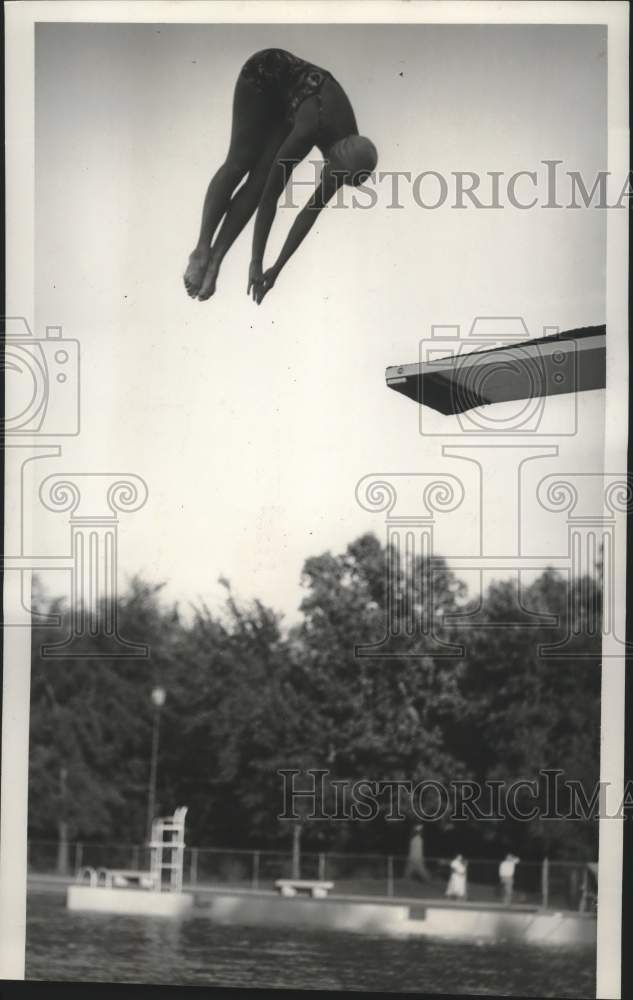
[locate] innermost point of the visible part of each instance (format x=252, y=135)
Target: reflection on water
x=97, y=947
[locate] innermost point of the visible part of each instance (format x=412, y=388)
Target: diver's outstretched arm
x=292, y=151
x=325, y=190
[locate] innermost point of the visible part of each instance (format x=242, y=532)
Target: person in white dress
x=456, y=888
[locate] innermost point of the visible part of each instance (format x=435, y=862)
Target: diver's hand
x=267, y=282
x=254, y=275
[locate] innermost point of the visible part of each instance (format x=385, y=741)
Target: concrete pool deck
x=398, y=916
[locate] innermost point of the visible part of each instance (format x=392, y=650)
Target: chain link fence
x=570, y=885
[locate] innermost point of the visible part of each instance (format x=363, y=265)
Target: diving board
x=573, y=361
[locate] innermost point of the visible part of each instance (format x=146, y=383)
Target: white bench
x=291, y=887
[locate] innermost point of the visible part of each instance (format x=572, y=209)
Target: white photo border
x=20, y=20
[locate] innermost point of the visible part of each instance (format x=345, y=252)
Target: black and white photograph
x=316, y=496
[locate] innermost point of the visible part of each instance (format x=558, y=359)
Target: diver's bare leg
x=249, y=133
x=243, y=205
x=216, y=202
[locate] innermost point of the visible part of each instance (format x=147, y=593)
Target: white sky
x=253, y=426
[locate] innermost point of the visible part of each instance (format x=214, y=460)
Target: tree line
x=248, y=697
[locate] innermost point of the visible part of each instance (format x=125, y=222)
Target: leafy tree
x=91, y=726
x=248, y=698
x=529, y=711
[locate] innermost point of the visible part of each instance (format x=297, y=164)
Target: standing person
x=506, y=876
x=283, y=106
x=456, y=888
x=415, y=867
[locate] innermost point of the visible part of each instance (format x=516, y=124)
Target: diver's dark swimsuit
x=285, y=78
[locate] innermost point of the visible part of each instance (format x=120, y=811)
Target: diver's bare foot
x=196, y=269
x=210, y=278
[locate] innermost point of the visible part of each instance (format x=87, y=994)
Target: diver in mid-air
x=282, y=108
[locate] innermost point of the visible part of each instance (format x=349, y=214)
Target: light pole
x=158, y=700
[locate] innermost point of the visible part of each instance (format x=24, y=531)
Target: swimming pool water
x=95, y=947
